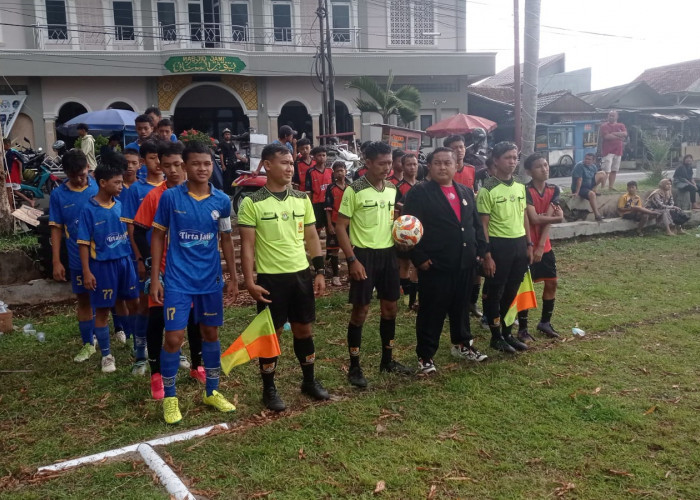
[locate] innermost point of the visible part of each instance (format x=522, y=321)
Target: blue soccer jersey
x=104, y=230
x=65, y=205
x=193, y=224
x=134, y=197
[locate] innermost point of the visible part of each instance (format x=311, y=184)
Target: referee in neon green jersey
x=368, y=209
x=501, y=204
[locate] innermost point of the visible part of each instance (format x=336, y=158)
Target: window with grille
x=166, y=19
x=340, y=15
x=194, y=12
x=56, y=19
x=409, y=20
x=123, y=20
x=425, y=122
x=282, y=20
x=239, y=21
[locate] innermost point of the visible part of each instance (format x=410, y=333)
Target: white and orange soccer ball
x=407, y=231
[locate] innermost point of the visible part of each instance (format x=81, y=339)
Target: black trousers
x=692, y=190
x=442, y=294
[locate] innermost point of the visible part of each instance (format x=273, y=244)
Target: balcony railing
x=188, y=36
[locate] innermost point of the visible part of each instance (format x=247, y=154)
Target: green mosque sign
x=204, y=64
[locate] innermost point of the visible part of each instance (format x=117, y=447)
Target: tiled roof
x=606, y=98
x=680, y=77
x=507, y=76
x=502, y=94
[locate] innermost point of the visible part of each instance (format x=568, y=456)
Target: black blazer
x=447, y=242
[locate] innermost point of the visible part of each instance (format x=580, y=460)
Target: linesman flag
x=258, y=340
x=525, y=299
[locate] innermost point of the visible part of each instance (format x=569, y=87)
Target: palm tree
x=404, y=101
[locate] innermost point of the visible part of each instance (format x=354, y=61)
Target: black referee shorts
x=382, y=268
x=510, y=256
x=546, y=269
x=292, y=296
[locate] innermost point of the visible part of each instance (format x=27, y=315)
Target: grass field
x=612, y=415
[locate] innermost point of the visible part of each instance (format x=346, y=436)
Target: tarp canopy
x=103, y=122
x=460, y=124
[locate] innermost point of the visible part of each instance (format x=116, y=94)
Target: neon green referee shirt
x=279, y=229
x=371, y=213
x=504, y=203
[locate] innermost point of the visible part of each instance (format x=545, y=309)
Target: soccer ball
x=407, y=230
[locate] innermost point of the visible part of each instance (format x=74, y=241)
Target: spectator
x=613, y=135
x=87, y=146
x=683, y=180
x=110, y=147
x=229, y=156
x=630, y=207
x=584, y=179
x=660, y=202
x=286, y=138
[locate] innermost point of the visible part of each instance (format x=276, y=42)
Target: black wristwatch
x=351, y=259
x=530, y=244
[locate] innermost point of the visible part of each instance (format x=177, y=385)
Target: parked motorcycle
x=245, y=185
x=37, y=180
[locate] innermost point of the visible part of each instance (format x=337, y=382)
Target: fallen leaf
x=597, y=390
x=668, y=473
x=650, y=410
x=431, y=493
x=381, y=486
x=380, y=428
x=261, y=494
x=484, y=454
x=564, y=489
x=620, y=473
x=302, y=455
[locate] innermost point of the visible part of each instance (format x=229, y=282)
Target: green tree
x=404, y=101
x=657, y=154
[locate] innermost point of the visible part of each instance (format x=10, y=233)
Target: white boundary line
x=165, y=474
x=98, y=457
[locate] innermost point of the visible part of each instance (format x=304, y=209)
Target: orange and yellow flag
x=258, y=340
x=526, y=299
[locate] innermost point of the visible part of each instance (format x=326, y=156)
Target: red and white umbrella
x=460, y=124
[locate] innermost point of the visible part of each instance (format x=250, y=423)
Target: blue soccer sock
x=211, y=357
x=86, y=328
x=140, y=325
x=169, y=363
x=102, y=334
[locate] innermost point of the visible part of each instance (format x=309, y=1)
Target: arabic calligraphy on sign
x=204, y=64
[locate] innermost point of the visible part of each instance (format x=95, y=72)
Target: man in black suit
x=453, y=238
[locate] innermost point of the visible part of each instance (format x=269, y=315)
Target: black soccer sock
x=522, y=319
x=267, y=371
x=194, y=338
x=154, y=337
x=354, y=344
x=547, y=310
x=335, y=267
x=305, y=352
x=413, y=293
x=405, y=285
x=507, y=331
x=387, y=331
x=476, y=287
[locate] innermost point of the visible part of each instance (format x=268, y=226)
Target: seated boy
x=584, y=179
x=630, y=207
x=104, y=252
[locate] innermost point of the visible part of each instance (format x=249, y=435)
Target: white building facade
x=212, y=64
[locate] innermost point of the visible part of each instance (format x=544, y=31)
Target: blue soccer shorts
x=208, y=309
x=116, y=279
x=76, y=281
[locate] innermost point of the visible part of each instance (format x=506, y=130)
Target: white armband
x=225, y=224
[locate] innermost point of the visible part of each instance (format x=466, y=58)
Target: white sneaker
x=426, y=367
x=467, y=352
x=85, y=352
x=120, y=336
x=139, y=368
x=184, y=362
x=108, y=365
x=336, y=281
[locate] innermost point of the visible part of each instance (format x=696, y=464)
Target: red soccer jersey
x=541, y=202
x=301, y=170
x=334, y=196
x=147, y=212
x=317, y=182
x=466, y=176
x=394, y=180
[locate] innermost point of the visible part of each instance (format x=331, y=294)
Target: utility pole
x=530, y=74
x=322, y=58
x=516, y=74
x=331, y=75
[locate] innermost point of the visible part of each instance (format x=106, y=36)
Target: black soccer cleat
x=394, y=366
x=515, y=343
x=524, y=336
x=356, y=377
x=271, y=399
x=315, y=390
x=548, y=330
x=499, y=344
